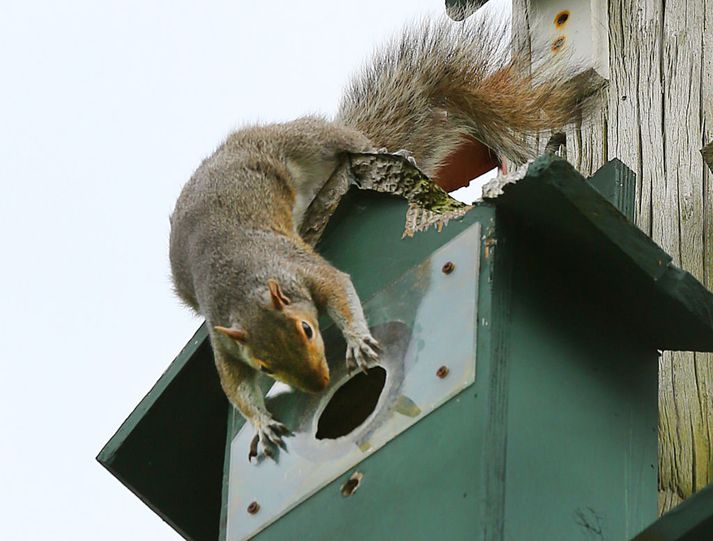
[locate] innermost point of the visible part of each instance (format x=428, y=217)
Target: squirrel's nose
x=319, y=383
x=322, y=382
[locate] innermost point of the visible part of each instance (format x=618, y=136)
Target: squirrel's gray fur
x=235, y=254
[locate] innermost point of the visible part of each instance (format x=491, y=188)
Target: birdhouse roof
x=692, y=520
x=170, y=449
x=579, y=221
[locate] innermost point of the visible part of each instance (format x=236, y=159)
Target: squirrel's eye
x=307, y=328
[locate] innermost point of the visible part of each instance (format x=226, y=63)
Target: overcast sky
x=106, y=108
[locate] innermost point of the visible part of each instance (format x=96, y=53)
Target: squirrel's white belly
x=308, y=179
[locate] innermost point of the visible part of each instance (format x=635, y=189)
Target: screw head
x=448, y=267
x=442, y=372
x=558, y=44
x=253, y=508
x=352, y=484
x=561, y=18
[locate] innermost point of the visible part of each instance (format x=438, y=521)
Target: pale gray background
x=106, y=107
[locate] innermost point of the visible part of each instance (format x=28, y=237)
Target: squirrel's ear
x=279, y=300
x=235, y=332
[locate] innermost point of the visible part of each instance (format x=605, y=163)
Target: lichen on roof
x=429, y=205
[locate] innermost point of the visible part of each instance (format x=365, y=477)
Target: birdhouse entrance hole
x=351, y=404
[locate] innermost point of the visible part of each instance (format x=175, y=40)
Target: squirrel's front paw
x=406, y=154
x=361, y=351
x=267, y=439
x=403, y=153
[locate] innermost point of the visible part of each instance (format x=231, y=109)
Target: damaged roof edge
x=676, y=308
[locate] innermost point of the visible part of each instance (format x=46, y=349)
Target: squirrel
x=236, y=257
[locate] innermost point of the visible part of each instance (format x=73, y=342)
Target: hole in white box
x=351, y=404
x=561, y=18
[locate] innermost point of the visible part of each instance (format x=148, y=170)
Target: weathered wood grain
x=657, y=114
x=677, y=224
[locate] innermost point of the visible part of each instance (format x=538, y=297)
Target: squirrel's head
x=284, y=342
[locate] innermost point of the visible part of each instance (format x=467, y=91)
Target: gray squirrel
x=236, y=257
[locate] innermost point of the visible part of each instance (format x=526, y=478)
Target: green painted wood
x=426, y=484
x=373, y=264
x=418, y=488
x=692, y=520
x=149, y=401
x=497, y=359
x=557, y=416
x=169, y=451
x=572, y=207
x=573, y=303
x=582, y=405
x=644, y=291
x=380, y=255
x=617, y=183
x=231, y=428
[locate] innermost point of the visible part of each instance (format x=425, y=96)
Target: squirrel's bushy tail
x=441, y=81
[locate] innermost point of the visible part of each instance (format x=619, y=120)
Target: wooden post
x=657, y=114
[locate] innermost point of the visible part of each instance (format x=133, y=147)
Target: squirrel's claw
x=403, y=153
x=406, y=154
x=357, y=361
x=268, y=440
x=274, y=435
x=253, y=448
x=261, y=448
x=361, y=352
x=374, y=344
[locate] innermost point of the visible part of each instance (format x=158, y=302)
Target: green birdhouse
x=515, y=396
